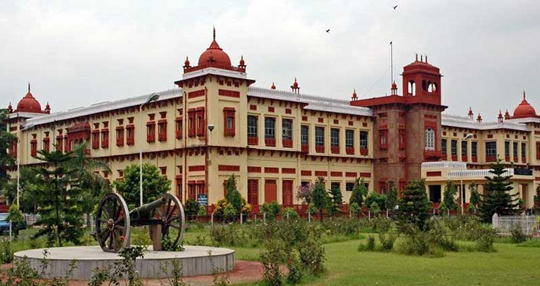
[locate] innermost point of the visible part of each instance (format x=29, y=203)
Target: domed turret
x=524, y=109
x=214, y=56
x=28, y=103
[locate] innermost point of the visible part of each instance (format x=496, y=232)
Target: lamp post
x=19, y=160
x=467, y=138
x=152, y=97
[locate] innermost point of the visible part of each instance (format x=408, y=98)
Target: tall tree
x=476, y=199
x=60, y=204
x=154, y=184
x=6, y=139
x=391, y=197
x=497, y=198
x=30, y=184
x=87, y=178
x=414, y=205
x=449, y=194
x=335, y=200
x=320, y=197
x=359, y=192
x=233, y=196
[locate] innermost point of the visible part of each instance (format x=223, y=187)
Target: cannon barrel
x=145, y=211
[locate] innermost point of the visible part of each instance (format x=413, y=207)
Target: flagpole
x=391, y=64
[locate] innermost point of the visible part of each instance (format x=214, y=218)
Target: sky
x=76, y=53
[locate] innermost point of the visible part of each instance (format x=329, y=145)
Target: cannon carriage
x=164, y=216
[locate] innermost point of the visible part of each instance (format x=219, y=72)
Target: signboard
x=202, y=199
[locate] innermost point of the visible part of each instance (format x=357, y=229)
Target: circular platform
x=195, y=260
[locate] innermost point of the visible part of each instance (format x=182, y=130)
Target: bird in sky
x=395, y=7
x=328, y=31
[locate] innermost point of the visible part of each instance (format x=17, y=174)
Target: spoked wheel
x=171, y=215
x=112, y=223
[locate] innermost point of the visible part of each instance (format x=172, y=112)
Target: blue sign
x=202, y=199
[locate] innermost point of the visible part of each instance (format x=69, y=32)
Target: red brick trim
x=305, y=173
x=271, y=170
x=229, y=93
x=252, y=169
x=230, y=168
x=434, y=174
x=196, y=93
x=321, y=173
x=365, y=175
x=288, y=170
x=197, y=168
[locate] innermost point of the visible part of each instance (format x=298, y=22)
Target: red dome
x=524, y=109
x=215, y=56
x=28, y=103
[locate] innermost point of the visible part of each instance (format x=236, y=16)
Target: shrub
x=341, y=226
x=230, y=235
x=229, y=213
x=296, y=273
x=439, y=237
x=289, y=214
x=415, y=241
x=272, y=257
x=517, y=234
x=6, y=252
x=374, y=208
x=387, y=237
x=378, y=199
x=271, y=210
x=192, y=208
x=312, y=256
x=485, y=239
x=369, y=246
x=355, y=209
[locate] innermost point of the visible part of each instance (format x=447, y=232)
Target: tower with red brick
x=407, y=127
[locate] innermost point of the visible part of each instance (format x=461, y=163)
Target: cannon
x=164, y=216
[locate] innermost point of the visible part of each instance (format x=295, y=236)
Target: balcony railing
x=444, y=164
x=523, y=172
x=456, y=174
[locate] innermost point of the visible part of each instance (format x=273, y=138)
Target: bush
x=296, y=273
x=272, y=257
x=439, y=237
x=370, y=246
x=192, y=209
x=271, y=210
x=312, y=256
x=230, y=235
x=485, y=239
x=355, y=209
x=378, y=199
x=6, y=251
x=341, y=226
x=517, y=234
x=387, y=240
x=289, y=214
x=415, y=241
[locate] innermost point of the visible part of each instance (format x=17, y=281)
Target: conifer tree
x=359, y=192
x=335, y=200
x=450, y=191
x=476, y=199
x=391, y=197
x=414, y=205
x=320, y=197
x=497, y=198
x=233, y=196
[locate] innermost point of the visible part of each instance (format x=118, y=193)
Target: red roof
x=524, y=109
x=28, y=103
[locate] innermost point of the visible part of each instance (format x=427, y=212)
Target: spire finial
x=523, y=94
x=214, y=33
x=28, y=86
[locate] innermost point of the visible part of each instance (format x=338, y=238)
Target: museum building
x=217, y=123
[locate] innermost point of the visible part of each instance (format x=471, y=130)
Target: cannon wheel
x=112, y=223
x=172, y=219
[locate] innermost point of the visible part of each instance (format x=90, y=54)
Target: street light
x=151, y=97
x=468, y=137
x=19, y=160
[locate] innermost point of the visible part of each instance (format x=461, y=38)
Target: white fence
x=504, y=224
x=476, y=173
x=444, y=164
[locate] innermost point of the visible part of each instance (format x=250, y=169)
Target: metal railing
x=475, y=173
x=444, y=164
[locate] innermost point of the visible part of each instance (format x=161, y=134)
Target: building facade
x=217, y=124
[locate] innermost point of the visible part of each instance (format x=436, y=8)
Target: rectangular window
x=383, y=139
x=191, y=123
x=335, y=185
x=270, y=131
x=179, y=127
x=349, y=141
x=334, y=140
x=229, y=121
x=130, y=140
x=319, y=139
x=162, y=130
x=287, y=130
x=515, y=151
x=33, y=146
x=95, y=139
x=443, y=144
x=453, y=147
x=524, y=152
x=60, y=142
x=507, y=149
x=349, y=187
x=253, y=130
x=150, y=132
x=104, y=138
x=474, y=149
x=46, y=144
x=304, y=138
x=402, y=139
x=364, y=142
x=537, y=150
x=464, y=150
x=120, y=136
x=201, y=128
x=491, y=151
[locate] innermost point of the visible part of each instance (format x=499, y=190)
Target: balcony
x=432, y=155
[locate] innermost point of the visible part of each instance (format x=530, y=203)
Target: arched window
x=430, y=139
x=412, y=88
x=424, y=85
